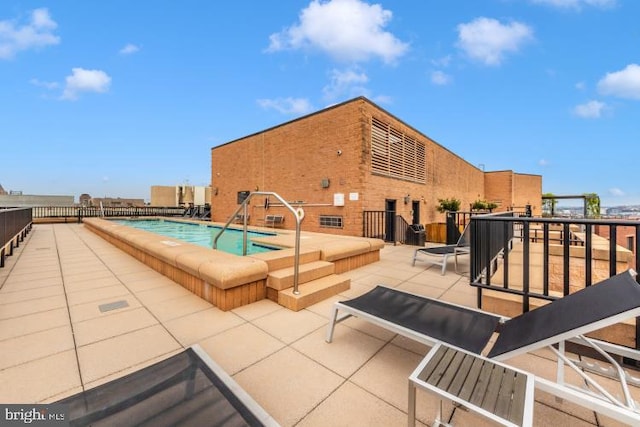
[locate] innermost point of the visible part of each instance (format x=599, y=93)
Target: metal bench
x=498, y=392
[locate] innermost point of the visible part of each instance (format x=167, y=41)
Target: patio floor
x=55, y=340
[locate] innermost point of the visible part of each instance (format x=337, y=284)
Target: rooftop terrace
x=55, y=340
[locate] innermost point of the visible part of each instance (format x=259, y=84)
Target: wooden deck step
x=313, y=292
x=283, y=278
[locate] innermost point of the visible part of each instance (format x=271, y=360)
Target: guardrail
x=80, y=212
x=385, y=225
x=14, y=226
x=567, y=254
x=554, y=257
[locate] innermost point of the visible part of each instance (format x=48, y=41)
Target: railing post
x=565, y=254
x=613, y=240
x=588, y=244
x=526, y=254
x=244, y=229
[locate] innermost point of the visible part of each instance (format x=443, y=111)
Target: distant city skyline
x=111, y=98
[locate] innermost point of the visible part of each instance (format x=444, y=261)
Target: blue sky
x=112, y=97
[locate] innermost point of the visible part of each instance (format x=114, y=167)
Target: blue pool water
x=201, y=234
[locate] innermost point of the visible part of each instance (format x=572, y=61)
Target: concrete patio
x=55, y=341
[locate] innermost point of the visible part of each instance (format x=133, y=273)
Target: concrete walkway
x=76, y=312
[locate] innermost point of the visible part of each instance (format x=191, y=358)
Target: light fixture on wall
x=407, y=199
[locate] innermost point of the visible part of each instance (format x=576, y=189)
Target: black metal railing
x=458, y=221
x=562, y=255
x=374, y=224
x=385, y=225
x=402, y=230
x=14, y=225
x=80, y=212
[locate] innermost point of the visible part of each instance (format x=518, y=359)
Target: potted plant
x=479, y=205
x=437, y=231
x=448, y=205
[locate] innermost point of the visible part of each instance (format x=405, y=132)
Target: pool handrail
x=243, y=207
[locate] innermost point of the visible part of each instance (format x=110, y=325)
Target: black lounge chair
x=187, y=389
x=439, y=255
x=567, y=319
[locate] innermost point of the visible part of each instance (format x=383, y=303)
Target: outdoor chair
x=186, y=389
x=431, y=322
x=439, y=255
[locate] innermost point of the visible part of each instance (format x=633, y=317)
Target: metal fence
x=14, y=225
x=385, y=225
x=80, y=212
x=572, y=253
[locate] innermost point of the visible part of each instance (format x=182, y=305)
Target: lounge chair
x=185, y=389
x=439, y=255
x=566, y=319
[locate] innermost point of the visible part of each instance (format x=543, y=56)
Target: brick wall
x=528, y=191
x=294, y=158
x=508, y=189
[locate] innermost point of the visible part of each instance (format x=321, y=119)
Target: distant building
x=84, y=200
x=16, y=199
x=115, y=202
x=180, y=195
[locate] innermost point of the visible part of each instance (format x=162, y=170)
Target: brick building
x=350, y=158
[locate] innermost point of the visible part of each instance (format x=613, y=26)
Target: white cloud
x=543, y=162
x=440, y=78
x=487, y=40
x=623, y=84
x=46, y=85
x=292, y=106
x=590, y=110
x=82, y=80
x=442, y=62
x=128, y=49
x=350, y=82
x=581, y=86
x=346, y=30
x=38, y=32
x=576, y=4
x=616, y=192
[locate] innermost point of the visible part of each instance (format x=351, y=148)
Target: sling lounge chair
x=186, y=389
x=439, y=255
x=431, y=322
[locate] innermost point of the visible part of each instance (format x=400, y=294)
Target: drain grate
x=113, y=305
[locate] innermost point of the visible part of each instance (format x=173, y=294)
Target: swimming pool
x=201, y=234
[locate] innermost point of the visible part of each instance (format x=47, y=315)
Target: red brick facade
x=334, y=146
x=513, y=191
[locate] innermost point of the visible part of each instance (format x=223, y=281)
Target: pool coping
x=229, y=281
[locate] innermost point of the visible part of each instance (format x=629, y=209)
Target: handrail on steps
x=243, y=207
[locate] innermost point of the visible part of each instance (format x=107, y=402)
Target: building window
x=631, y=243
x=395, y=154
x=330, y=221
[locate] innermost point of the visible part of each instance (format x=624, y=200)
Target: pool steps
x=316, y=280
